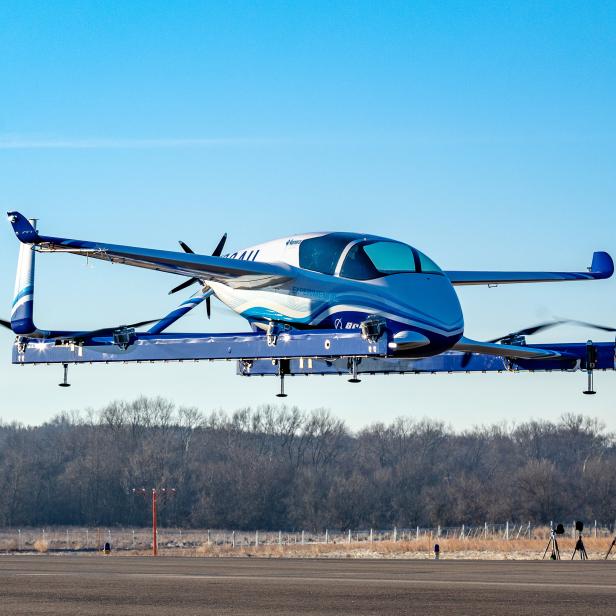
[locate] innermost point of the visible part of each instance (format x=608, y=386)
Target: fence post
x=438, y=530
x=417, y=534
x=209, y=541
x=233, y=539
x=395, y=534
x=279, y=537
x=462, y=532
x=326, y=536
x=595, y=529
x=19, y=539
x=349, y=535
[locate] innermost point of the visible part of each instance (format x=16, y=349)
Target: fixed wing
x=374, y=287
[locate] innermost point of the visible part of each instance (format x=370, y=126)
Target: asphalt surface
x=86, y=585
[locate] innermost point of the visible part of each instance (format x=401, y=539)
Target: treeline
x=282, y=468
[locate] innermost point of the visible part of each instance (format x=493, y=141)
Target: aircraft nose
x=430, y=299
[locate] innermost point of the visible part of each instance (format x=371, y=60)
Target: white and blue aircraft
x=323, y=281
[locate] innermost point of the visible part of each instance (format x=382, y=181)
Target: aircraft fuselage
x=418, y=301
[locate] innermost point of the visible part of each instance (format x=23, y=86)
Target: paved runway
x=87, y=585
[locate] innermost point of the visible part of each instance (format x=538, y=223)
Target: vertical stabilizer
x=23, y=300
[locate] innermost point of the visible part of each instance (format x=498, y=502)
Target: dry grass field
x=203, y=543
x=485, y=549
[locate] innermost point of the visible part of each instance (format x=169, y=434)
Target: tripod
x=579, y=547
x=610, y=550
x=553, y=544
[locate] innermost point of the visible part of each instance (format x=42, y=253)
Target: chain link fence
x=72, y=539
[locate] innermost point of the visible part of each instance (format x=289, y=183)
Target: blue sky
x=482, y=133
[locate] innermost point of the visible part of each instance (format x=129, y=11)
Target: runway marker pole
x=155, y=493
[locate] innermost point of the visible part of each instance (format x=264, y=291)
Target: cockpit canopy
x=359, y=258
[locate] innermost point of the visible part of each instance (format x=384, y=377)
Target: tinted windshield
x=321, y=254
x=372, y=259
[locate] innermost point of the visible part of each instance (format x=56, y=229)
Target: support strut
x=65, y=382
x=591, y=362
x=283, y=368
x=354, y=378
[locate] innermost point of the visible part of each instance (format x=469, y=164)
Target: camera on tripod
x=579, y=544
x=553, y=542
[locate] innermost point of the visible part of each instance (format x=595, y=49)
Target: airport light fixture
x=155, y=492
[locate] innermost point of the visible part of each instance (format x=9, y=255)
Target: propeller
x=107, y=331
x=529, y=331
x=84, y=335
x=187, y=283
x=535, y=329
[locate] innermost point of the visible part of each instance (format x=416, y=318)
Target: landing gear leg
x=354, y=378
x=281, y=394
x=283, y=366
x=65, y=382
x=591, y=362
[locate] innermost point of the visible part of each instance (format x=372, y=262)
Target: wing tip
x=602, y=265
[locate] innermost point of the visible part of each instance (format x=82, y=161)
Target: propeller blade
x=535, y=329
x=6, y=324
x=186, y=248
x=603, y=328
x=529, y=331
x=217, y=252
x=184, y=285
x=140, y=323
x=104, y=331
x=221, y=244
